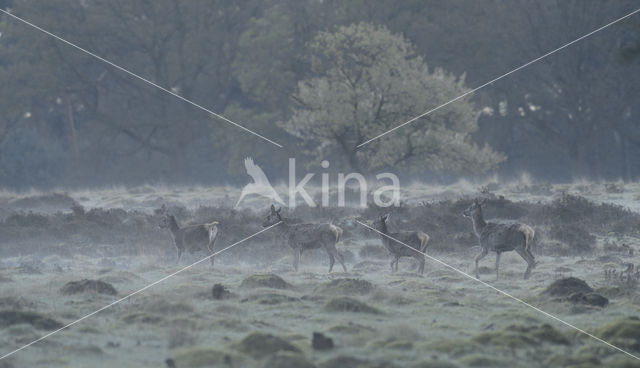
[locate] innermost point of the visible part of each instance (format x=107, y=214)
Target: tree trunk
x=351, y=153
x=71, y=131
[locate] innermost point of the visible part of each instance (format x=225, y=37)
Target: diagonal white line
x=136, y=292
x=140, y=78
x=503, y=292
x=498, y=78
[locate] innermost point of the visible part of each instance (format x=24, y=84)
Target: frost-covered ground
x=431, y=319
x=374, y=317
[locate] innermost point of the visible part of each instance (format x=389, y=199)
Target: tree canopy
x=368, y=81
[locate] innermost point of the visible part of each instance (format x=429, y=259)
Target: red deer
x=191, y=238
x=417, y=240
x=307, y=236
x=501, y=238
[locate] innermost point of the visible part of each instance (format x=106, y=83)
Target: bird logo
x=260, y=185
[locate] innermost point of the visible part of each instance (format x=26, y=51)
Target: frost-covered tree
x=367, y=80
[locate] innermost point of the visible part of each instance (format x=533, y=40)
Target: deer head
x=273, y=217
x=167, y=221
x=476, y=207
x=380, y=224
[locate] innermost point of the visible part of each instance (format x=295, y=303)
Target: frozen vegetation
x=67, y=254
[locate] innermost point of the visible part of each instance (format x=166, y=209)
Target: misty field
x=67, y=254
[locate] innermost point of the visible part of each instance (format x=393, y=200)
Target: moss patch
x=591, y=299
x=86, y=285
x=346, y=287
x=434, y=364
x=16, y=303
x=287, y=359
x=610, y=291
x=206, y=357
x=521, y=337
x=12, y=317
x=269, y=299
x=141, y=317
x=400, y=345
x=269, y=280
x=584, y=361
x=351, y=328
x=624, y=333
x=567, y=286
x=164, y=307
x=477, y=360
x=183, y=323
x=454, y=347
x=623, y=363
x=259, y=345
x=342, y=362
x=346, y=304
x=352, y=362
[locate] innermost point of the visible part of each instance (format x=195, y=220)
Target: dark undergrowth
x=570, y=220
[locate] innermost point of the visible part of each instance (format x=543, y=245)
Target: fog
x=154, y=136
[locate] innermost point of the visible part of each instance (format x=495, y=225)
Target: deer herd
x=493, y=237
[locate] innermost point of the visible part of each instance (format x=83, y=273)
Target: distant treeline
x=317, y=77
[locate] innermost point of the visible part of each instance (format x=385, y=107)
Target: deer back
x=413, y=239
x=502, y=237
x=311, y=236
x=195, y=237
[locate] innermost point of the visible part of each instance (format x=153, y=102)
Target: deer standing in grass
x=417, y=240
x=307, y=236
x=501, y=238
x=192, y=237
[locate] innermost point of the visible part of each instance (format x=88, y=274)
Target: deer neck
x=173, y=225
x=384, y=230
x=284, y=227
x=478, y=222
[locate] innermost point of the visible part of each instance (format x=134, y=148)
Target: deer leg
x=394, y=263
x=497, y=263
x=210, y=247
x=296, y=258
x=420, y=257
x=330, y=252
x=341, y=260
x=333, y=252
x=528, y=244
x=478, y=258
x=530, y=261
x=179, y=254
x=332, y=260
x=422, y=261
x=528, y=250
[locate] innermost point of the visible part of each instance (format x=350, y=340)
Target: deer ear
x=385, y=217
x=273, y=208
x=279, y=209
